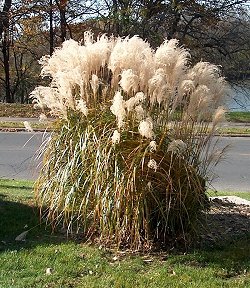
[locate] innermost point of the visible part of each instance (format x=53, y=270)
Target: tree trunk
x=6, y=57
x=4, y=35
x=176, y=19
x=62, y=4
x=51, y=32
x=4, y=17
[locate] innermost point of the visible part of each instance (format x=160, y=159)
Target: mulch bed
x=225, y=221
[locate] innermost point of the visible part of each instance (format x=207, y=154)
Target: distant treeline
x=214, y=31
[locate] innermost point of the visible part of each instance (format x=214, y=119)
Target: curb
x=232, y=135
x=18, y=129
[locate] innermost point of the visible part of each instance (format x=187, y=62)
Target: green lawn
x=234, y=130
x=231, y=193
x=238, y=117
x=72, y=264
x=19, y=125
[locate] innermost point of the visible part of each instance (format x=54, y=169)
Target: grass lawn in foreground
x=72, y=264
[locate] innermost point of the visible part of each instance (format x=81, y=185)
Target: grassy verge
x=243, y=195
x=49, y=260
x=234, y=131
x=19, y=125
x=239, y=117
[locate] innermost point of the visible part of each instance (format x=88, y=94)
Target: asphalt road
x=18, y=160
x=234, y=171
x=18, y=154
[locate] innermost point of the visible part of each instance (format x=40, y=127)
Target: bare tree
x=215, y=31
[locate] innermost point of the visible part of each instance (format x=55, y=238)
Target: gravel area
x=231, y=199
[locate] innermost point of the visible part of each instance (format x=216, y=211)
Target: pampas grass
x=128, y=163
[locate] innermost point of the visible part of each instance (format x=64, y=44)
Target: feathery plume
x=118, y=108
x=116, y=137
x=27, y=126
x=146, y=128
x=42, y=117
x=152, y=164
x=140, y=112
x=152, y=146
x=129, y=81
x=94, y=83
x=219, y=115
x=134, y=101
x=82, y=107
x=176, y=146
x=131, y=53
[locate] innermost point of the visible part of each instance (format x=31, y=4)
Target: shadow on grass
x=15, y=218
x=229, y=259
x=225, y=242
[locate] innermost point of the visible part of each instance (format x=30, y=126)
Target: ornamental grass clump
x=129, y=160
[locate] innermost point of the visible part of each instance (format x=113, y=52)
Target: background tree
x=5, y=47
x=215, y=31
x=26, y=44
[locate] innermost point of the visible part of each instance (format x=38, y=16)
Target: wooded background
x=217, y=31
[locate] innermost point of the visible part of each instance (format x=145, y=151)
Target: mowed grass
x=72, y=264
x=238, y=117
x=5, y=125
x=244, y=195
x=234, y=131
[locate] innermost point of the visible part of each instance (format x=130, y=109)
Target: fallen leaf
x=48, y=271
x=82, y=255
x=147, y=260
x=22, y=236
x=172, y=272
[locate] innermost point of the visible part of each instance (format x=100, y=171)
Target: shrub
x=128, y=163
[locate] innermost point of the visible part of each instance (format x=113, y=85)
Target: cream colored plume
x=86, y=76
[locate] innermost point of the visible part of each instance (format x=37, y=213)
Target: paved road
x=234, y=170
x=17, y=160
